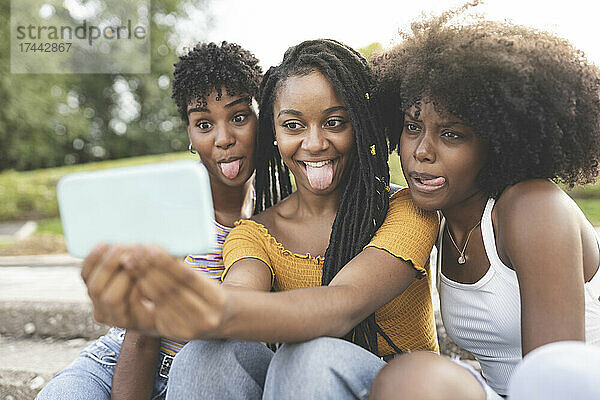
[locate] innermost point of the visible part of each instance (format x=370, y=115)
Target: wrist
x=228, y=310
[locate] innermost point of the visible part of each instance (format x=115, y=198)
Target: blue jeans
x=90, y=376
x=323, y=368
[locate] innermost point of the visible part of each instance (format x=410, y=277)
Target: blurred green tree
x=55, y=119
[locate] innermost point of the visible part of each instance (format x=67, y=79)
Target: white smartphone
x=169, y=204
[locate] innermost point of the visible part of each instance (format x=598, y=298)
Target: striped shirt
x=212, y=265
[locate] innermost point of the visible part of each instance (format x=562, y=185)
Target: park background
x=54, y=124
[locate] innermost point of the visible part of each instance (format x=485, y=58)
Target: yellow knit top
x=407, y=233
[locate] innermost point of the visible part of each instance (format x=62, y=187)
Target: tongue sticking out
x=230, y=169
x=320, y=178
x=434, y=182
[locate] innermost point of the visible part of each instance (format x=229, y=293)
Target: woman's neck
x=462, y=217
x=309, y=204
x=231, y=203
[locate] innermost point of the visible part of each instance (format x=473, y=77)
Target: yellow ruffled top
x=407, y=233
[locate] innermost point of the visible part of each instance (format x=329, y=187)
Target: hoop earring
x=192, y=150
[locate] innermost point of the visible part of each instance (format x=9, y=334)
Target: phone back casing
x=169, y=204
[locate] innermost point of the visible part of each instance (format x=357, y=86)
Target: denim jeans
x=90, y=376
x=323, y=368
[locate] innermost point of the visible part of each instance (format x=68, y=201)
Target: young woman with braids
x=486, y=116
x=213, y=88
x=337, y=258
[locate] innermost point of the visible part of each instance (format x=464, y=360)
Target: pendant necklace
x=462, y=259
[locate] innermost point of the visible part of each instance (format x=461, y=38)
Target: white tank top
x=485, y=317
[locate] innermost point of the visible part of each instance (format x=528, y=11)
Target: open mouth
x=230, y=167
x=319, y=173
x=427, y=183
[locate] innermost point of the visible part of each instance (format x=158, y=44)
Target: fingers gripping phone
x=169, y=204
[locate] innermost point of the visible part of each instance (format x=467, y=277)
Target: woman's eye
x=410, y=127
x=334, y=123
x=292, y=125
x=238, y=119
x=450, y=135
x=203, y=125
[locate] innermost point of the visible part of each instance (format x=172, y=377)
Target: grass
x=50, y=225
x=32, y=194
x=584, y=192
x=396, y=175
x=591, y=209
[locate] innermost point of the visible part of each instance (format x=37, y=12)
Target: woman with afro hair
x=487, y=117
x=213, y=89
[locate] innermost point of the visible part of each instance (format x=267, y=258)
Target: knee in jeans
x=313, y=355
x=201, y=352
x=309, y=353
x=193, y=353
x=192, y=349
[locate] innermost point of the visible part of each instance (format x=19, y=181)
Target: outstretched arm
x=243, y=307
x=372, y=279
x=201, y=308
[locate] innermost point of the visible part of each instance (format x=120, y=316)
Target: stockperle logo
x=76, y=36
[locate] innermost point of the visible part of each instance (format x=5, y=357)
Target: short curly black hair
x=209, y=66
x=532, y=97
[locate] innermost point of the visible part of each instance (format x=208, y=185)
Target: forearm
x=190, y=306
x=136, y=367
x=303, y=314
x=290, y=316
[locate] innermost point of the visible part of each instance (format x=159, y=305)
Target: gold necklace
x=461, y=259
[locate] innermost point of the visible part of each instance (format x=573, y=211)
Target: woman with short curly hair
x=213, y=88
x=487, y=116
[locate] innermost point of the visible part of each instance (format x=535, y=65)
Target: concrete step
x=45, y=301
x=45, y=321
x=59, y=320
x=27, y=364
x=44, y=260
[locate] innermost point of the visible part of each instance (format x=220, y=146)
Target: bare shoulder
x=270, y=217
x=533, y=199
x=535, y=210
x=267, y=217
x=264, y=217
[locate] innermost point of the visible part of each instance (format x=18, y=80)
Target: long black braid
x=365, y=200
